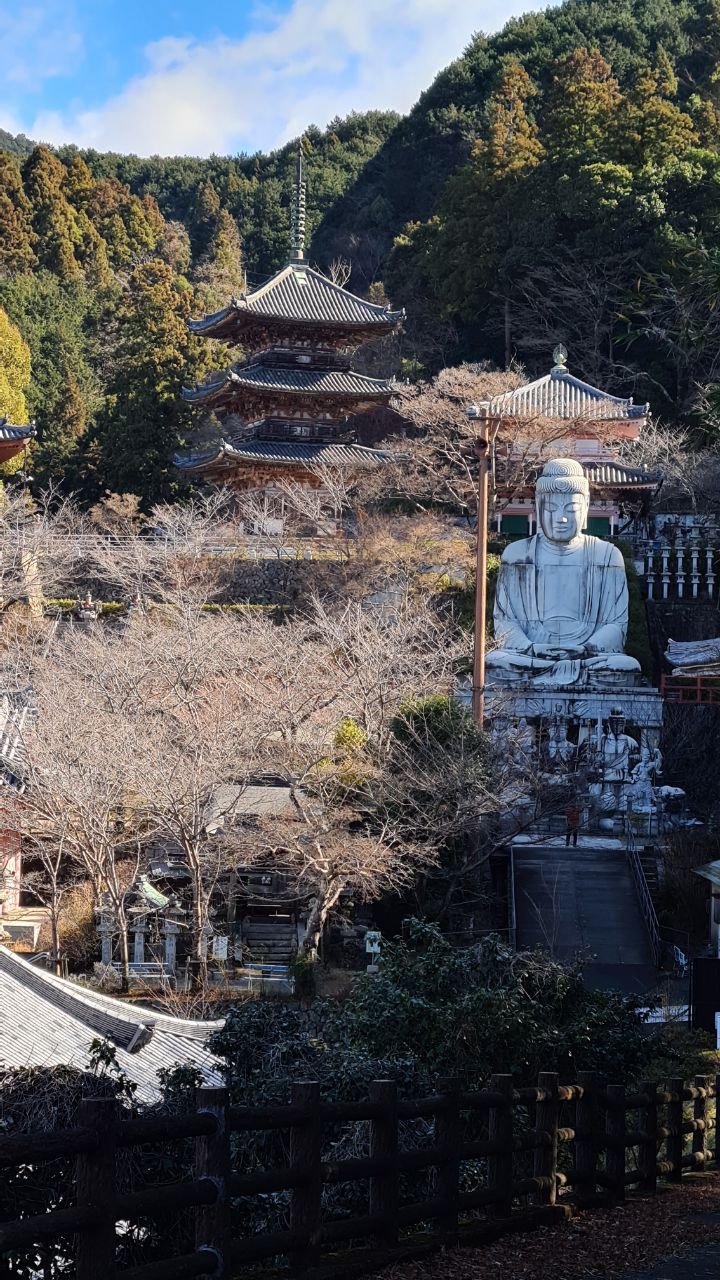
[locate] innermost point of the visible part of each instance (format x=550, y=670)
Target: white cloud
x=38, y=42
x=320, y=59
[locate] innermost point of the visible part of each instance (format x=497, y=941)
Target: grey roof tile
x=560, y=395
x=47, y=1021
x=8, y=431
x=262, y=378
x=285, y=452
x=297, y=293
x=615, y=474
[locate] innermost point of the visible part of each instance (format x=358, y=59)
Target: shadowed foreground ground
x=672, y=1236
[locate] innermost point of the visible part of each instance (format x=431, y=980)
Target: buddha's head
x=562, y=497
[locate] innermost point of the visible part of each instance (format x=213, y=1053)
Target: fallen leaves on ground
x=605, y=1243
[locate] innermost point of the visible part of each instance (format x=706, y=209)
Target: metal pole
x=478, y=690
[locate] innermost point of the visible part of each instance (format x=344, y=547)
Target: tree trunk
x=508, y=333
x=325, y=900
x=54, y=939
x=124, y=956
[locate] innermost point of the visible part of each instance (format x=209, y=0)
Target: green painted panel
x=599, y=526
x=515, y=525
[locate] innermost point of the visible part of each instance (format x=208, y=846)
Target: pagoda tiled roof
x=297, y=381
x=561, y=395
x=284, y=452
x=300, y=294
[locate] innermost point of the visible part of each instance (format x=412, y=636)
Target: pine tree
x=513, y=144
x=16, y=233
x=54, y=220
x=203, y=217
x=582, y=108
x=145, y=417
x=221, y=275
x=56, y=457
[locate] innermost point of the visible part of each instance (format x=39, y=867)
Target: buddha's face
x=562, y=516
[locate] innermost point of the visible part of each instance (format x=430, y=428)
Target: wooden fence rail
x=540, y=1152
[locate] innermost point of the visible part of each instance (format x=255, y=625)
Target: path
x=584, y=900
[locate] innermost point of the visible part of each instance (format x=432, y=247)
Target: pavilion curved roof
x=298, y=294
x=561, y=395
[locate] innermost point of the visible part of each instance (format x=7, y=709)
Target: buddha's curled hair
x=563, y=475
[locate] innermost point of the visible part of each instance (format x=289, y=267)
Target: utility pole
x=481, y=452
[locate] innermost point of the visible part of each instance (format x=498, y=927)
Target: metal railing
x=647, y=906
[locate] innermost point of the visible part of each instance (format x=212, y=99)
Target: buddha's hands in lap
x=556, y=654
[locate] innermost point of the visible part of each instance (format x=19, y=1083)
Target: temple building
x=14, y=439
x=560, y=414
x=289, y=404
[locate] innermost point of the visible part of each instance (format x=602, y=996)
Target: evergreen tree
x=144, y=417
x=221, y=275
x=16, y=233
x=54, y=219
x=57, y=452
x=203, y=217
x=14, y=371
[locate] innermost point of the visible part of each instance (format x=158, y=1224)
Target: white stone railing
x=683, y=570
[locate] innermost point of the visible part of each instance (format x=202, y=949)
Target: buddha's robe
x=560, y=613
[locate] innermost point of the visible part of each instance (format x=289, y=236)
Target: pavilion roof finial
x=560, y=356
x=297, y=242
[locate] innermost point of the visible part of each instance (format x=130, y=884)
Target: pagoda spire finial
x=297, y=242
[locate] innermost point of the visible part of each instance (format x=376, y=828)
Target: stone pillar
x=139, y=950
x=204, y=940
x=665, y=553
x=106, y=931
x=171, y=930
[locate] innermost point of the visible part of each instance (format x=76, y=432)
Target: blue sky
x=196, y=76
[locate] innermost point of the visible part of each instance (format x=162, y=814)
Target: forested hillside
x=102, y=260
x=559, y=181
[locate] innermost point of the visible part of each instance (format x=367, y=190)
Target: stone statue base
x=643, y=706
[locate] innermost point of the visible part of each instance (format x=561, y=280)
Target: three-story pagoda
x=290, y=404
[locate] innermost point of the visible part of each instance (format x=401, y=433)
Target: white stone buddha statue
x=561, y=606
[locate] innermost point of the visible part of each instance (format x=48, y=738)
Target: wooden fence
x=542, y=1151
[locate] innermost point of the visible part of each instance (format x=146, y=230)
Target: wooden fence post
x=587, y=1134
x=500, y=1163
x=448, y=1134
x=546, y=1123
x=212, y=1161
x=700, y=1115
x=384, y=1144
x=648, y=1127
x=717, y=1122
x=674, y=1143
x=95, y=1188
x=305, y=1159
x=615, y=1128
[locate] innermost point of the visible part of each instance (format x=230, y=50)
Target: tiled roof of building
x=297, y=293
x=47, y=1021
x=296, y=381
x=284, y=452
x=613, y=475
x=9, y=432
x=560, y=395
x=15, y=707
